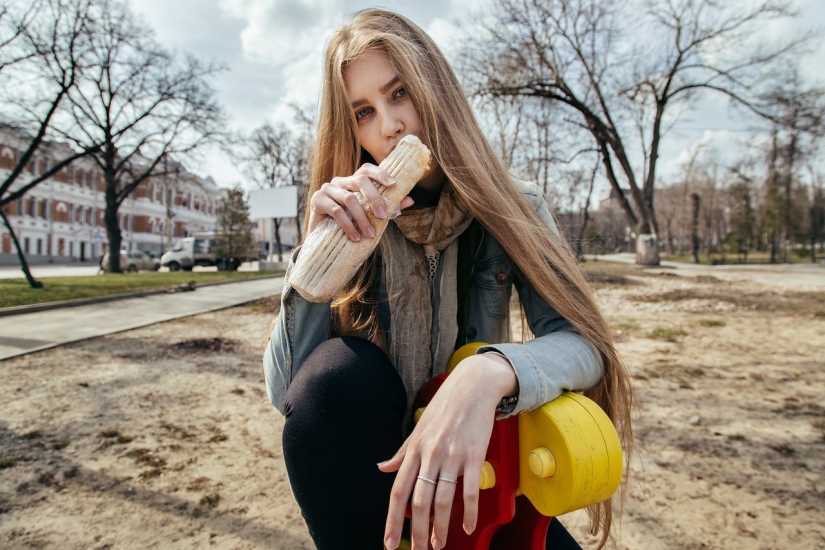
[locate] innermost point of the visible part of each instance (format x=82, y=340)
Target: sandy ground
x=163, y=436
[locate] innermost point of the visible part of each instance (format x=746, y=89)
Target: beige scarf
x=419, y=344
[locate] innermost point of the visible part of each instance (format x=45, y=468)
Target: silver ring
x=428, y=480
x=448, y=480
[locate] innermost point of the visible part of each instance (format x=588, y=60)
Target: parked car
x=202, y=250
x=132, y=262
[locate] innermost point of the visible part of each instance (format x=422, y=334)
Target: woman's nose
x=391, y=125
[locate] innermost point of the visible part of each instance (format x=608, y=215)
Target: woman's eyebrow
x=382, y=90
x=386, y=87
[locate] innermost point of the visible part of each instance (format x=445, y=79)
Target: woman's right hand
x=337, y=199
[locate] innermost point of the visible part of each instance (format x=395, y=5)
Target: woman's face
x=383, y=110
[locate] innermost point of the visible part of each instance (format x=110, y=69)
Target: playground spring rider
x=561, y=457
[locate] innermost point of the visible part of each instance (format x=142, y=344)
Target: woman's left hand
x=450, y=440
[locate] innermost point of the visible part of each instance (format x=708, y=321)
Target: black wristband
x=507, y=403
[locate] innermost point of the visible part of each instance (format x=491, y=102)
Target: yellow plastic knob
x=417, y=414
x=488, y=476
x=462, y=353
x=586, y=453
x=542, y=462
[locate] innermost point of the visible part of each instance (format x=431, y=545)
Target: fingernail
x=391, y=179
x=356, y=237
x=469, y=529
x=381, y=212
x=391, y=543
x=437, y=544
x=370, y=232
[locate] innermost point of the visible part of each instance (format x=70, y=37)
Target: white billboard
x=273, y=202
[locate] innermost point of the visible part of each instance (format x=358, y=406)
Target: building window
x=80, y=215
x=31, y=204
x=71, y=213
x=89, y=216
x=39, y=247
x=78, y=177
x=71, y=249
x=26, y=245
x=71, y=174
x=44, y=209
x=19, y=209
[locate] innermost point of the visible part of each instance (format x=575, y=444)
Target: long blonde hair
x=481, y=181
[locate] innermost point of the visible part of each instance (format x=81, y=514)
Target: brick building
x=61, y=220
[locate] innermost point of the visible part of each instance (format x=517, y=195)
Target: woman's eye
x=400, y=93
x=362, y=113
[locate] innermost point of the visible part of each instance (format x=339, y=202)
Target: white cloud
x=281, y=32
x=302, y=86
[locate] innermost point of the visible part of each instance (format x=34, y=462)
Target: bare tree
x=136, y=104
x=503, y=118
x=584, y=55
x=694, y=228
x=798, y=126
x=742, y=215
x=817, y=217
x=16, y=20
x=277, y=156
x=236, y=239
x=579, y=244
x=45, y=46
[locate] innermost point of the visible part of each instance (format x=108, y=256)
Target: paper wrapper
x=328, y=259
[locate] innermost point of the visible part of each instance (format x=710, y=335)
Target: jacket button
x=501, y=278
x=471, y=332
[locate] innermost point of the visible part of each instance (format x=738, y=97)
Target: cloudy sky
x=273, y=50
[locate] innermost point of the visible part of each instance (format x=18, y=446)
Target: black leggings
x=344, y=412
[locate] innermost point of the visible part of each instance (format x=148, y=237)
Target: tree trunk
x=817, y=212
x=586, y=214
x=580, y=240
x=647, y=249
x=694, y=229
x=112, y=230
x=24, y=265
x=788, y=190
x=277, y=223
x=773, y=247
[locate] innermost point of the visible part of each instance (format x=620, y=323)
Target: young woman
x=344, y=373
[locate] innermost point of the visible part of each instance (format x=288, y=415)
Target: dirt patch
x=160, y=437
x=810, y=303
x=206, y=344
x=164, y=437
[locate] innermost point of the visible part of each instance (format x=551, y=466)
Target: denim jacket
x=557, y=359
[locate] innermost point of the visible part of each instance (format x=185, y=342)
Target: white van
x=199, y=250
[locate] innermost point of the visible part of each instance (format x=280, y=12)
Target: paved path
x=21, y=334
x=83, y=270
x=793, y=276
